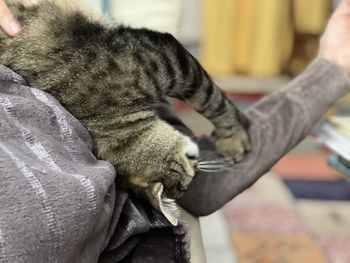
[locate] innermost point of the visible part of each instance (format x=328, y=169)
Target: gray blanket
x=59, y=204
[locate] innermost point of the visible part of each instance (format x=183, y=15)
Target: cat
x=110, y=77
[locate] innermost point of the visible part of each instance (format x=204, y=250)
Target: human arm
x=277, y=124
x=281, y=119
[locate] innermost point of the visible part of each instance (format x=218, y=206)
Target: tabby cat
x=110, y=77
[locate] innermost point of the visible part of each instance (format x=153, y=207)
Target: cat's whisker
x=213, y=168
x=215, y=163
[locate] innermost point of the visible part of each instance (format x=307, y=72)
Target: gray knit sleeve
x=278, y=122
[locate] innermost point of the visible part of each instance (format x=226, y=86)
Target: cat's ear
x=167, y=206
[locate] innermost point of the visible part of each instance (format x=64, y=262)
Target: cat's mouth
x=156, y=193
x=167, y=206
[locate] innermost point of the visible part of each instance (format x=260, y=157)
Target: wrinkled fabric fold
x=58, y=203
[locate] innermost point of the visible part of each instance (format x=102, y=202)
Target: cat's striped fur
x=110, y=77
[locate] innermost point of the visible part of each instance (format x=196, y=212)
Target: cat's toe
x=234, y=147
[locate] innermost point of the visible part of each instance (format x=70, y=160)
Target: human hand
x=7, y=21
x=335, y=42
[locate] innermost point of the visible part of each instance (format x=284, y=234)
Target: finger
x=7, y=21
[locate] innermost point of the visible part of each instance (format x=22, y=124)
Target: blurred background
x=300, y=211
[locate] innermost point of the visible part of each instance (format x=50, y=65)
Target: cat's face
x=181, y=166
x=164, y=156
x=178, y=161
x=159, y=164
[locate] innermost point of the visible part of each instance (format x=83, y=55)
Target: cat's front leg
x=231, y=131
x=231, y=127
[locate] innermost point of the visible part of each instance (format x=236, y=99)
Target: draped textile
x=261, y=38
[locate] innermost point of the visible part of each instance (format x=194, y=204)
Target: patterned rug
x=288, y=217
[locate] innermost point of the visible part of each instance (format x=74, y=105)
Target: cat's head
x=164, y=163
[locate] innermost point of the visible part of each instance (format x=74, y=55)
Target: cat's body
x=110, y=77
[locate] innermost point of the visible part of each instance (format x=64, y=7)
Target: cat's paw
x=234, y=147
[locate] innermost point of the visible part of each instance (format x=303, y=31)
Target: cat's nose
x=191, y=150
x=191, y=156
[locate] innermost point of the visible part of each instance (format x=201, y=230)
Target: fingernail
x=14, y=27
